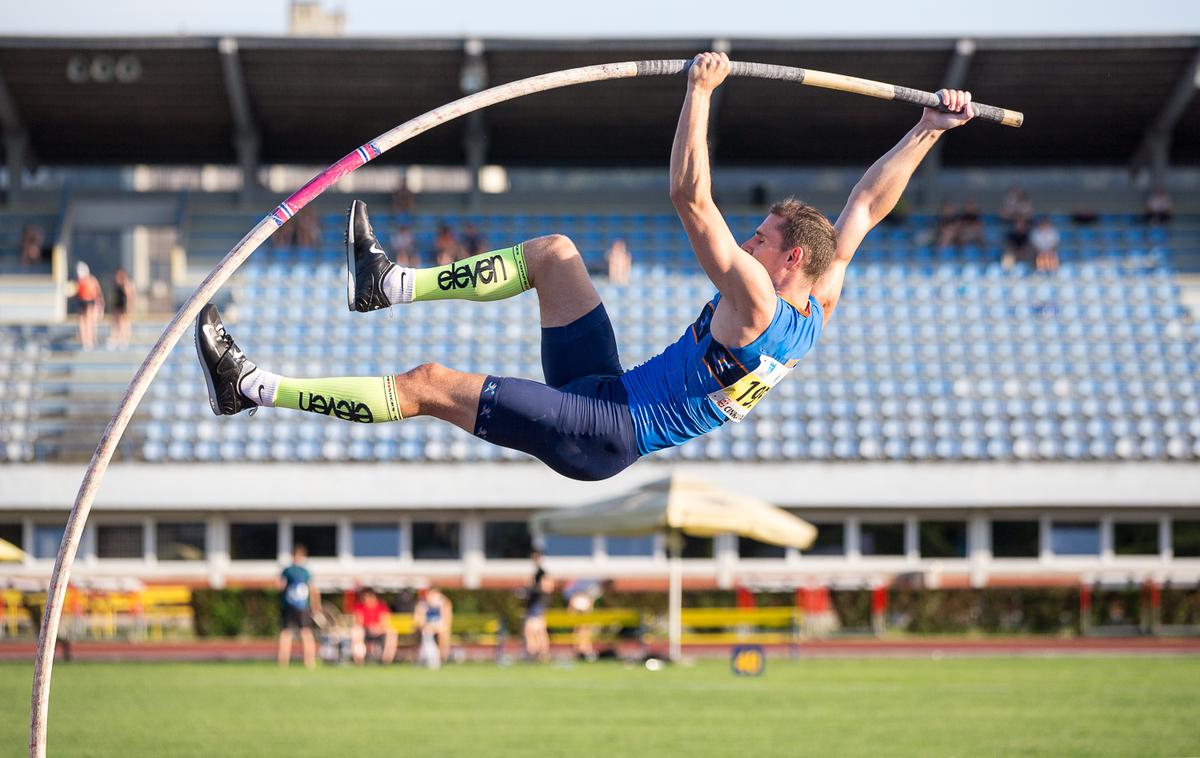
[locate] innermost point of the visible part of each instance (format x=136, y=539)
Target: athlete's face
x=766, y=246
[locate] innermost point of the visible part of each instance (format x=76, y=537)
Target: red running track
x=255, y=650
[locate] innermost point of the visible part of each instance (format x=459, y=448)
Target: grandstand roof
x=1087, y=101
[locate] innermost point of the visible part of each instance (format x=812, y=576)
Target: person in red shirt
x=372, y=624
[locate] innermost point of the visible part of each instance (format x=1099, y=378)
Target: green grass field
x=1026, y=706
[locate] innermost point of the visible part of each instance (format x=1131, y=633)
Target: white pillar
x=471, y=541
x=675, y=596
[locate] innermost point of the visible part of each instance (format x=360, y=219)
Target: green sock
x=365, y=399
x=488, y=276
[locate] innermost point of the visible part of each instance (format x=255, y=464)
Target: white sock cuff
x=260, y=387
x=399, y=284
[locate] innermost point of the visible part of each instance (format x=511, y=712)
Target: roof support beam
x=1155, y=147
x=246, y=138
x=16, y=141
x=954, y=78
x=472, y=79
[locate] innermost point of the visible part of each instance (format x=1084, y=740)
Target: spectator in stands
x=620, y=262
x=1044, y=240
x=122, y=302
x=1016, y=205
x=445, y=246
x=285, y=237
x=537, y=638
x=1082, y=215
x=90, y=296
x=946, y=233
x=433, y=618
x=32, y=239
x=308, y=229
x=1016, y=244
x=970, y=224
x=403, y=199
x=472, y=240
x=300, y=604
x=404, y=246
x=372, y=626
x=1158, y=207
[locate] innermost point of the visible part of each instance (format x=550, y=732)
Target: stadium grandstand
x=1015, y=428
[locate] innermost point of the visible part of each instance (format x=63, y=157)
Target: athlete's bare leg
x=556, y=271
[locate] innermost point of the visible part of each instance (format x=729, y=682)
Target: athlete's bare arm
x=743, y=282
x=876, y=194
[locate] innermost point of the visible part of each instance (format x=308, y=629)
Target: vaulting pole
x=60, y=577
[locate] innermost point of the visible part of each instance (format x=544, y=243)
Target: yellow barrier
x=483, y=628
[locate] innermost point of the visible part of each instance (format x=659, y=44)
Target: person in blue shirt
x=591, y=418
x=300, y=606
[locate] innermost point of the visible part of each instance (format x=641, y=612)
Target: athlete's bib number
x=736, y=400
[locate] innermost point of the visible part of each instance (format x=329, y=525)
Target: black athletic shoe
x=223, y=362
x=366, y=262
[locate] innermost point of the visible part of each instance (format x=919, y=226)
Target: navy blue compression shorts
x=578, y=423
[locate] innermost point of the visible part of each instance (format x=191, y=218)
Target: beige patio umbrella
x=677, y=505
x=10, y=553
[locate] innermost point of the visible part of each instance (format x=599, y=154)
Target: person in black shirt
x=537, y=638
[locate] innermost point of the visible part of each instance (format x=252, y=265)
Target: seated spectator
x=403, y=199
x=1081, y=215
x=472, y=240
x=445, y=246
x=581, y=596
x=1016, y=244
x=620, y=262
x=404, y=246
x=1044, y=239
x=284, y=237
x=308, y=229
x=946, y=233
x=32, y=239
x=970, y=224
x=1016, y=205
x=1158, y=207
x=372, y=626
x=433, y=618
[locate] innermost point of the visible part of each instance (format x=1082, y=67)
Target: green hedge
x=255, y=612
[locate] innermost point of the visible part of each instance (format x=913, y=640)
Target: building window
x=629, y=547
x=435, y=540
x=254, y=542
x=943, y=539
x=319, y=539
x=1075, y=537
x=882, y=539
x=748, y=548
x=46, y=539
x=1015, y=539
x=697, y=547
x=831, y=539
x=181, y=542
x=506, y=539
x=119, y=541
x=1186, y=539
x=1135, y=538
x=13, y=534
x=567, y=545
x=375, y=540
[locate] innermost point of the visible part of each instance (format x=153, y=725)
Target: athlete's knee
x=556, y=248
x=428, y=374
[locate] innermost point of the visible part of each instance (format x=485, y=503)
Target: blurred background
x=998, y=433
